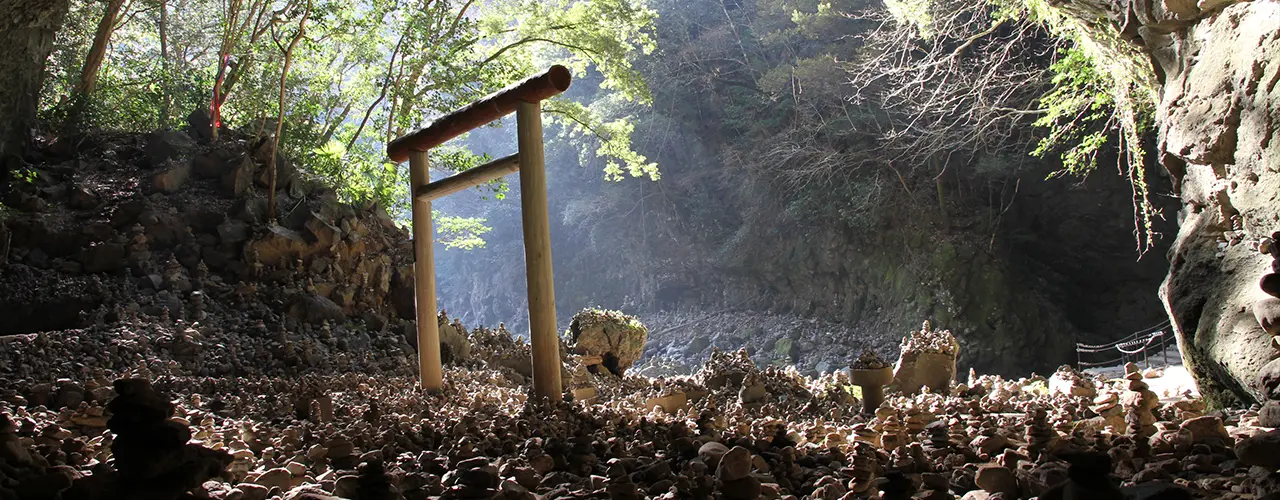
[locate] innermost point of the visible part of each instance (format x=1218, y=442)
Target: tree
x=27, y=32
x=284, y=76
x=92, y=63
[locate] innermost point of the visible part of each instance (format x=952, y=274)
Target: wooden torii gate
x=525, y=100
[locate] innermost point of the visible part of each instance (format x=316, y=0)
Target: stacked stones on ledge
x=927, y=359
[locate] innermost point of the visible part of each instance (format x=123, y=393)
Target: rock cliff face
x=1218, y=66
x=1018, y=294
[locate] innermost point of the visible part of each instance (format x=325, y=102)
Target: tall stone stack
x=1139, y=403
x=150, y=450
x=1267, y=311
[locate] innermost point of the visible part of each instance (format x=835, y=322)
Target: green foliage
x=366, y=72
x=1103, y=87
x=460, y=232
x=1077, y=113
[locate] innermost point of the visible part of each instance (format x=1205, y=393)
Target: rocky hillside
x=1217, y=66
x=113, y=226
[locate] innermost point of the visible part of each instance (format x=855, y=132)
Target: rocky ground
x=164, y=339
x=680, y=341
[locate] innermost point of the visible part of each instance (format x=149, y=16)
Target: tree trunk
x=93, y=62
x=275, y=141
x=166, y=104
x=27, y=30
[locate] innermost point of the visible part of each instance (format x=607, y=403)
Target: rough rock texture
x=1218, y=114
x=1216, y=65
x=618, y=339
x=1219, y=121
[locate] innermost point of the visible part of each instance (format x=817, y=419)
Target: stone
x=165, y=145
x=746, y=488
x=752, y=393
x=237, y=180
x=711, y=452
x=734, y=465
x=1262, y=450
x=279, y=247
x=104, y=257
x=1269, y=380
x=200, y=124
x=285, y=170
x=1207, y=429
x=1269, y=415
x=84, y=198
x=996, y=479
x=989, y=445
x=172, y=179
x=617, y=338
x=670, y=403
x=1267, y=312
x=315, y=309
x=233, y=231
x=253, y=491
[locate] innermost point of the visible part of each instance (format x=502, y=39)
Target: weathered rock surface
x=1219, y=119
x=1218, y=112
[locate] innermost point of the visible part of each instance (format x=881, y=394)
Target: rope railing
x=1132, y=347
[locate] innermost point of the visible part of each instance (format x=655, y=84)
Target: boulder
x=1224, y=170
x=1207, y=429
x=927, y=359
x=711, y=453
x=314, y=309
x=734, y=465
x=165, y=145
x=233, y=231
x=84, y=198
x=1262, y=450
x=1269, y=380
x=200, y=125
x=238, y=179
x=172, y=179
x=616, y=337
x=1269, y=415
x=1267, y=312
x=279, y=247
x=104, y=257
x=995, y=479
x=454, y=346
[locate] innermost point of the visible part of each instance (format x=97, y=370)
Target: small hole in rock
x=611, y=363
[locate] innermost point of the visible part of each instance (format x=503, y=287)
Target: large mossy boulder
x=616, y=337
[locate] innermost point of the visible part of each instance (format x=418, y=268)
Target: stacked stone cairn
x=1139, y=402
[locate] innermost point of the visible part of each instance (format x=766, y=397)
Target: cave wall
x=1219, y=115
x=1218, y=65
x=1019, y=279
